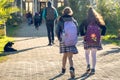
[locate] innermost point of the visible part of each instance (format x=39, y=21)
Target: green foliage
x=112, y=39
x=60, y=9
x=6, y=9
x=14, y=21
x=3, y=41
x=80, y=8
x=110, y=10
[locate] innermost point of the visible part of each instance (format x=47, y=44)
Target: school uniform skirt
x=97, y=46
x=68, y=49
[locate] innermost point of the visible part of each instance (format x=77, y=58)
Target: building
x=35, y=5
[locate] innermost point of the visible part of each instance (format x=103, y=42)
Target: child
x=68, y=49
x=92, y=43
x=36, y=21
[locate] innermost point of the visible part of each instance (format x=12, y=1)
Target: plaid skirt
x=98, y=46
x=66, y=49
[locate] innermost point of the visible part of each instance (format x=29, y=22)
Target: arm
x=56, y=13
x=82, y=29
x=103, y=30
x=44, y=14
x=59, y=29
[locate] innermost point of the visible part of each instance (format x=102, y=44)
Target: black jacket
x=83, y=28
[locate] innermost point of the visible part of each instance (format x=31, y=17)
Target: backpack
x=50, y=13
x=69, y=34
x=93, y=34
x=37, y=18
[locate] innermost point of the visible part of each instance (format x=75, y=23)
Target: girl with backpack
x=67, y=36
x=90, y=30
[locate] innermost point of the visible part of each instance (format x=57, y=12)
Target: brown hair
x=67, y=10
x=94, y=16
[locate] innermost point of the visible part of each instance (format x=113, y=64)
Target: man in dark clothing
x=49, y=15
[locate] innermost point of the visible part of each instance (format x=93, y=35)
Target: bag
x=50, y=13
x=69, y=35
x=92, y=36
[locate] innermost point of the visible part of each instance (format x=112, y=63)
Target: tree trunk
x=55, y=3
x=66, y=3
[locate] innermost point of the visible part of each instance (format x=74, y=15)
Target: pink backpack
x=69, y=35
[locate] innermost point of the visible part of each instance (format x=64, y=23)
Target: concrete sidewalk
x=37, y=61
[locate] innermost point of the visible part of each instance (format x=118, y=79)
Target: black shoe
x=49, y=44
x=63, y=71
x=92, y=71
x=88, y=68
x=53, y=42
x=72, y=72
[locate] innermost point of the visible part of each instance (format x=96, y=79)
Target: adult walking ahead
x=49, y=15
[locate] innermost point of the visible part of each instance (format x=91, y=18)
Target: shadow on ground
x=56, y=76
x=112, y=51
x=19, y=51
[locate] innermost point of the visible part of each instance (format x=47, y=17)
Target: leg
x=52, y=31
x=48, y=32
x=72, y=70
x=87, y=53
x=64, y=60
x=70, y=55
x=93, y=53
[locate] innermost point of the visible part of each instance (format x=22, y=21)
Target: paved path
x=37, y=61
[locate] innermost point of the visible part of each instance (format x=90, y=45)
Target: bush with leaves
x=6, y=8
x=14, y=21
x=80, y=8
x=110, y=10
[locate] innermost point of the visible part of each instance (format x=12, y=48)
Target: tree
x=110, y=10
x=6, y=9
x=80, y=8
x=66, y=2
x=55, y=3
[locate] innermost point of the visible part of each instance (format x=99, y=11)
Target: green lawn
x=4, y=40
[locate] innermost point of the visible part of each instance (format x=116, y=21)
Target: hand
x=83, y=37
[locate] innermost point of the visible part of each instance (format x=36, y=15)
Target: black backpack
x=50, y=13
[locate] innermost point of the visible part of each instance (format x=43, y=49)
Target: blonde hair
x=67, y=10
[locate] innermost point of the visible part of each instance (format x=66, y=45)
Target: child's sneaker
x=92, y=71
x=88, y=68
x=63, y=71
x=72, y=72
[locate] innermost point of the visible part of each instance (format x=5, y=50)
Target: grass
x=4, y=40
x=112, y=39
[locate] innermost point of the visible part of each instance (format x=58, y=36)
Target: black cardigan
x=83, y=28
